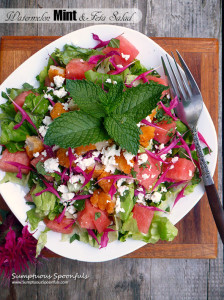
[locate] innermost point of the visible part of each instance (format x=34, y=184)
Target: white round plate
x=150, y=55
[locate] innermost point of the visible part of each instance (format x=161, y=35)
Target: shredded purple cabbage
x=117, y=69
x=153, y=208
x=101, y=43
x=92, y=234
x=48, y=189
x=61, y=216
x=95, y=58
x=155, y=156
x=105, y=239
x=19, y=166
x=180, y=195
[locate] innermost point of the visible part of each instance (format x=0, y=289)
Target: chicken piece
x=83, y=149
x=33, y=145
x=54, y=71
x=123, y=165
x=97, y=172
x=62, y=157
x=147, y=135
x=57, y=110
x=105, y=184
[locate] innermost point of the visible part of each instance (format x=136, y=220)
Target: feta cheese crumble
x=128, y=156
x=108, y=80
x=51, y=165
x=175, y=159
x=65, y=105
x=36, y=154
x=118, y=206
x=190, y=173
x=47, y=120
x=60, y=93
x=58, y=81
x=43, y=130
x=125, y=56
x=142, y=159
x=156, y=197
x=108, y=158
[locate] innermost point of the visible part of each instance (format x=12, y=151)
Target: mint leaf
x=75, y=129
x=124, y=131
x=138, y=102
x=74, y=237
x=88, y=96
x=114, y=43
x=97, y=215
x=114, y=97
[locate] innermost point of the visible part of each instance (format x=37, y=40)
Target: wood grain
x=197, y=235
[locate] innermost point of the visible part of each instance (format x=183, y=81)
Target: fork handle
x=211, y=191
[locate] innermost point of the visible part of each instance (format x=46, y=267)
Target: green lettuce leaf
x=11, y=177
x=36, y=105
x=42, y=240
x=44, y=202
x=8, y=134
x=33, y=218
x=127, y=203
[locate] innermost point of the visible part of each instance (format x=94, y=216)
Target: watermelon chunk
x=125, y=48
x=143, y=216
x=166, y=132
x=147, y=173
x=19, y=157
x=86, y=218
x=60, y=227
x=159, y=80
x=20, y=99
x=183, y=169
x=76, y=69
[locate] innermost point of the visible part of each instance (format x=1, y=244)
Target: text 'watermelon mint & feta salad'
x=99, y=145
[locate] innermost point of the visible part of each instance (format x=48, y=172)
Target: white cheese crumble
x=54, y=148
x=48, y=96
x=67, y=196
x=101, y=145
x=119, y=66
x=81, y=60
x=142, y=159
x=163, y=156
x=175, y=159
x=163, y=189
x=44, y=153
x=63, y=188
x=128, y=156
x=84, y=163
x=43, y=130
x=58, y=81
x=50, y=88
x=60, y=93
x=108, y=158
x=145, y=176
x=47, y=120
x=108, y=80
x=141, y=199
x=36, y=154
x=156, y=197
x=71, y=209
x=190, y=173
x=114, y=82
x=161, y=146
x=77, y=178
x=118, y=206
x=65, y=105
x=125, y=56
x=51, y=165
x=122, y=189
x=171, y=167
x=50, y=108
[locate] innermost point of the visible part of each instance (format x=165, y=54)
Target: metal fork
x=189, y=108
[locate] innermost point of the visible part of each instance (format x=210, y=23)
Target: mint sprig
x=75, y=128
x=104, y=115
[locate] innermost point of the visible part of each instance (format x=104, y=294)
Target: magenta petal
x=153, y=155
x=152, y=124
x=19, y=166
x=92, y=234
x=105, y=239
x=180, y=195
x=61, y=216
x=112, y=190
x=202, y=139
x=161, y=179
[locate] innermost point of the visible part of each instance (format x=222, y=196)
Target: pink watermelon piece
x=147, y=175
x=19, y=157
x=166, y=132
x=183, y=169
x=143, y=216
x=126, y=48
x=86, y=218
x=76, y=69
x=159, y=80
x=62, y=227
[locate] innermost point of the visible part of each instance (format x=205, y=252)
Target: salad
x=99, y=146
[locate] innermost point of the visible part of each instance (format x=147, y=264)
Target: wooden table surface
x=131, y=278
